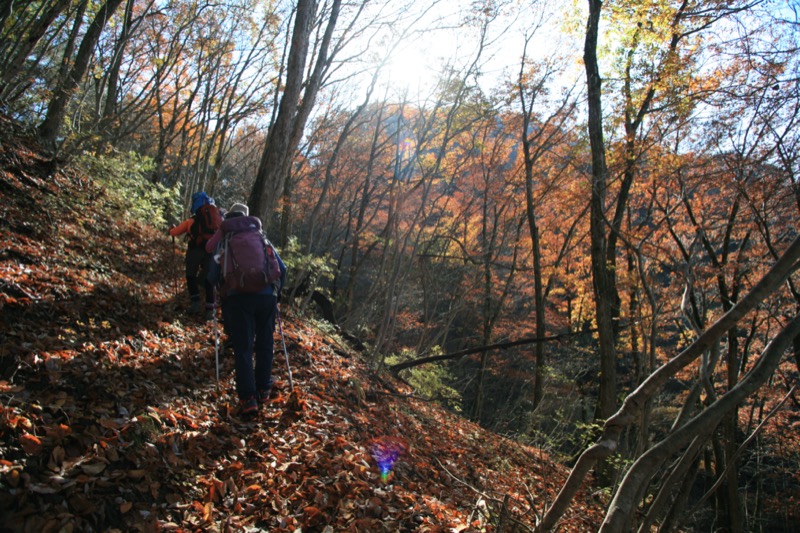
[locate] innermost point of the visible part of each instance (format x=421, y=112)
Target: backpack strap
x=276, y=284
x=224, y=248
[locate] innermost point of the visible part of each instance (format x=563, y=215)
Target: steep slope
x=111, y=416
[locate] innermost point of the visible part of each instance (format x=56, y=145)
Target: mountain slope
x=111, y=416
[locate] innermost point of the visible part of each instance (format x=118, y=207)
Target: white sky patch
x=441, y=39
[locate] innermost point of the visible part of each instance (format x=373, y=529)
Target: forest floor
x=112, y=417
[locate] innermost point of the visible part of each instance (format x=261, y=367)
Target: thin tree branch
x=497, y=346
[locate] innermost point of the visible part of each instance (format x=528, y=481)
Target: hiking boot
x=248, y=407
x=263, y=395
x=210, y=314
x=194, y=307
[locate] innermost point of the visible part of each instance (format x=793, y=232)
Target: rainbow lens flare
x=386, y=451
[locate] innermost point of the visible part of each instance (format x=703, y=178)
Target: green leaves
x=125, y=177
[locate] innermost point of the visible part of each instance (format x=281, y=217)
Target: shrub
x=124, y=177
x=430, y=380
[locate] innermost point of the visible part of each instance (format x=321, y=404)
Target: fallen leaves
x=30, y=444
x=93, y=469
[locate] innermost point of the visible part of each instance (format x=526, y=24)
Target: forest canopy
x=571, y=222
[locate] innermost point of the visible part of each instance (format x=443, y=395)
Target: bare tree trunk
x=293, y=110
x=538, y=290
x=468, y=351
x=275, y=159
x=486, y=308
x=330, y=166
x=112, y=85
x=72, y=41
x=366, y=191
x=169, y=131
x=6, y=9
x=535, y=143
x=25, y=46
x=390, y=244
x=674, y=490
x=477, y=410
x=603, y=287
x=57, y=108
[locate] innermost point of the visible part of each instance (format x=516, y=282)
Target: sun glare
x=414, y=67
x=441, y=40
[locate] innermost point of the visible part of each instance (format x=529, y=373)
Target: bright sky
x=444, y=39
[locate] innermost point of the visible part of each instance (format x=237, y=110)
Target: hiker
x=252, y=275
x=200, y=227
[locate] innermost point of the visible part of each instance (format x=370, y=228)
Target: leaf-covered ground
x=112, y=419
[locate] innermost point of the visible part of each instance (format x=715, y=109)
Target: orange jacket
x=183, y=227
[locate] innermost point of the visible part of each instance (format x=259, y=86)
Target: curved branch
x=635, y=402
x=644, y=468
x=497, y=346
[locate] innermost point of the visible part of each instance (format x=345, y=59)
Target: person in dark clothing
x=197, y=259
x=249, y=317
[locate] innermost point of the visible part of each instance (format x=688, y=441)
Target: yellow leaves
x=207, y=512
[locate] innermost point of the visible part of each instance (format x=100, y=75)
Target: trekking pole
x=283, y=341
x=175, y=264
x=216, y=336
x=216, y=345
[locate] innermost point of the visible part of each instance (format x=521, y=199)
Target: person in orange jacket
x=205, y=220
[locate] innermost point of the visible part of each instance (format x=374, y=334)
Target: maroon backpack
x=207, y=220
x=250, y=261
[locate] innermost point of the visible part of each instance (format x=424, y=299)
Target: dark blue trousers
x=250, y=324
